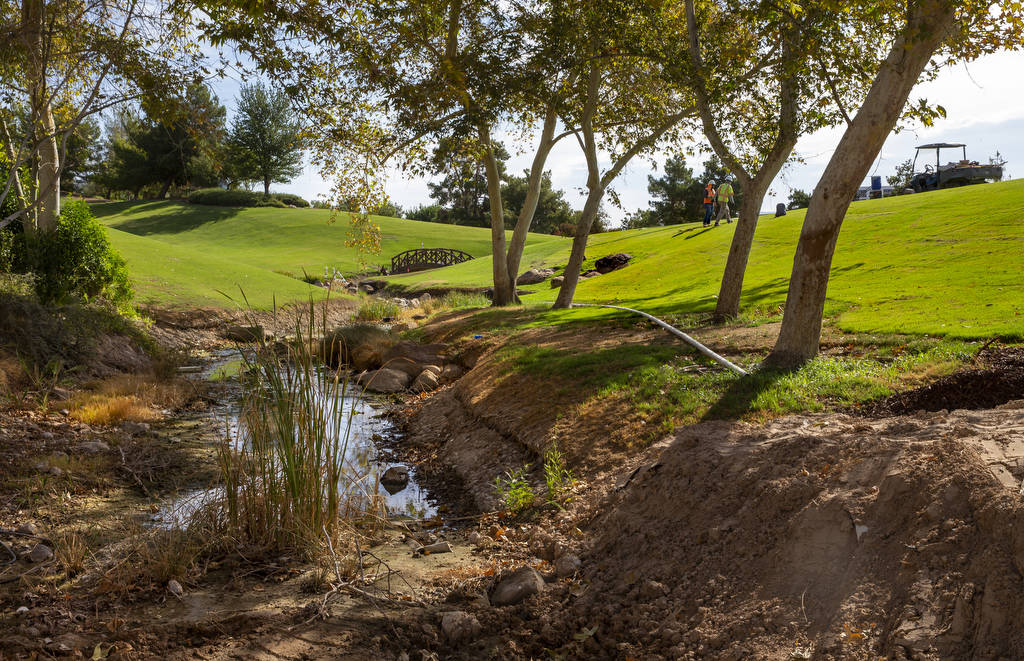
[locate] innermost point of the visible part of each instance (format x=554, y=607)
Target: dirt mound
x=822, y=537
x=1000, y=380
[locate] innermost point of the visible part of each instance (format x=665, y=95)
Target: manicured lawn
x=945, y=263
x=182, y=254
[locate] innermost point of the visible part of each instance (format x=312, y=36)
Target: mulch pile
x=1000, y=379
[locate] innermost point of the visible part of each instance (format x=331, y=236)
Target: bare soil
x=834, y=536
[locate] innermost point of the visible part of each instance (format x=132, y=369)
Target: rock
x=366, y=357
x=135, y=428
x=459, y=626
x=590, y=274
x=480, y=540
x=436, y=547
x=427, y=381
x=244, y=334
x=412, y=358
x=368, y=288
x=612, y=262
x=55, y=471
x=414, y=302
x=395, y=479
x=425, y=297
x=534, y=276
x=47, y=436
x=522, y=583
x=557, y=282
x=175, y=588
x=65, y=412
x=22, y=610
x=567, y=565
x=69, y=642
x=59, y=394
x=40, y=553
x=401, y=327
x=451, y=373
x=92, y=447
x=28, y=529
x=385, y=380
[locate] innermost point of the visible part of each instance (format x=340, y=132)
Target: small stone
x=512, y=590
x=40, y=553
x=652, y=590
x=92, y=447
x=459, y=626
x=65, y=412
x=28, y=529
x=567, y=565
x=135, y=428
x=22, y=610
x=47, y=436
x=451, y=373
x=175, y=588
x=395, y=479
x=556, y=282
x=427, y=381
x=55, y=471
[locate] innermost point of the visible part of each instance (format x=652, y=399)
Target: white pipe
x=675, y=331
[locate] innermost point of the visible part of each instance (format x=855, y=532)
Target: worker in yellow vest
x=725, y=197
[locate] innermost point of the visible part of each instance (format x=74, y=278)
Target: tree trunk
x=926, y=27
x=16, y=186
x=754, y=190
x=571, y=277
x=47, y=156
x=163, y=190
x=519, y=234
x=266, y=186
x=504, y=287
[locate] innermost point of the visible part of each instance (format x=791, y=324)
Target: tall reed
x=285, y=475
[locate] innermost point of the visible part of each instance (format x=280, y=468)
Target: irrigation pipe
x=675, y=331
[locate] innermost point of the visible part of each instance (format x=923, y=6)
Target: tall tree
x=461, y=193
x=553, y=210
x=67, y=60
x=917, y=31
x=264, y=136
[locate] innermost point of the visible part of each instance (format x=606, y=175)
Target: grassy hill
x=182, y=254
x=946, y=263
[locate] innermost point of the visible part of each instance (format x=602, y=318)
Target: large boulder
x=612, y=262
x=411, y=358
x=557, y=282
x=385, y=380
x=534, y=276
x=429, y=379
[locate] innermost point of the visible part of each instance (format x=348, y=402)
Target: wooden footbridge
x=422, y=259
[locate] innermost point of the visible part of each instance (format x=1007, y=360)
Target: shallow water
x=369, y=426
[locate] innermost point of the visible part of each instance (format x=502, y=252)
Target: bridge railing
x=427, y=258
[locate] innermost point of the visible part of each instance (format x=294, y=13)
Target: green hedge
x=219, y=197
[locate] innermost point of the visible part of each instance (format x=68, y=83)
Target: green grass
x=946, y=263
x=183, y=255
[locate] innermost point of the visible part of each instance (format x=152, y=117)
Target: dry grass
x=130, y=397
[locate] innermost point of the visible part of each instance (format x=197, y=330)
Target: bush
x=290, y=199
x=74, y=262
x=218, y=197
x=375, y=309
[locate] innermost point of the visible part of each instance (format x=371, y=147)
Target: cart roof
x=942, y=145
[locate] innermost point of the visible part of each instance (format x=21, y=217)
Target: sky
x=984, y=108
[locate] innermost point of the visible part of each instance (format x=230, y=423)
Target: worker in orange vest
x=709, y=202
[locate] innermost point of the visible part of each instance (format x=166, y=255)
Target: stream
x=370, y=432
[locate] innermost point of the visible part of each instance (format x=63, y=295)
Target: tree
x=798, y=199
x=462, y=194
x=68, y=60
x=760, y=83
x=432, y=71
x=552, y=211
x=918, y=30
x=264, y=136
x=900, y=180
x=673, y=193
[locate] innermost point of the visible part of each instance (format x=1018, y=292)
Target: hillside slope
x=944, y=263
x=183, y=254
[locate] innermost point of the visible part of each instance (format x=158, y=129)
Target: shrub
x=218, y=197
x=375, y=309
x=76, y=261
x=290, y=199
x=514, y=491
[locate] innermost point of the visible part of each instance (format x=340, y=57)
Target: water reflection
x=366, y=427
